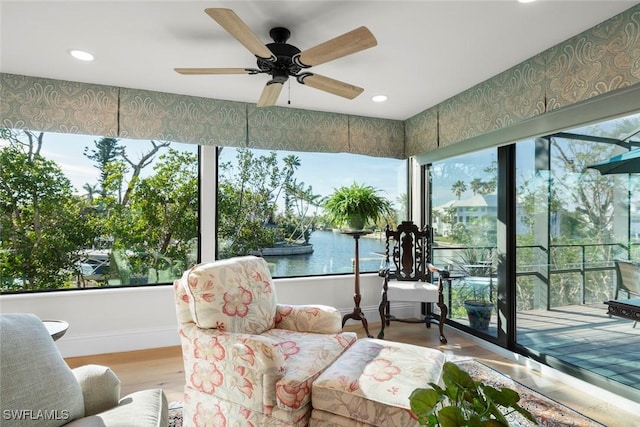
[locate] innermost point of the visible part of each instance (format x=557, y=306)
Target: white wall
x=114, y=320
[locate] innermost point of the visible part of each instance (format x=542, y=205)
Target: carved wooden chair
x=408, y=275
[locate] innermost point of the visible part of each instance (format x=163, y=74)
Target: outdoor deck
x=585, y=336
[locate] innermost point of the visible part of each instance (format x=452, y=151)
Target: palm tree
x=476, y=185
x=458, y=188
x=91, y=190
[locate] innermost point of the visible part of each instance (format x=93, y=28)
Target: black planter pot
x=479, y=314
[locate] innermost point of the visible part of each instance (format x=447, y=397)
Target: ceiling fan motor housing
x=284, y=66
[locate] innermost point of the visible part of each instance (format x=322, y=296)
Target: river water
x=333, y=253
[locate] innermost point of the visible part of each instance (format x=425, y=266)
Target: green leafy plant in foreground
x=464, y=402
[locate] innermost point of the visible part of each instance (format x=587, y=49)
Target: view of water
x=333, y=252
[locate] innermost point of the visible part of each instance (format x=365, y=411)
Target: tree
x=160, y=223
x=458, y=188
x=43, y=226
x=249, y=195
x=247, y=202
x=106, y=151
x=476, y=185
x=296, y=222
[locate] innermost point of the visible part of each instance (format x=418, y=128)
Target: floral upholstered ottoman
x=370, y=384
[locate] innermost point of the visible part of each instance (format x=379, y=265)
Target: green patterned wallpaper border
x=181, y=118
x=376, y=137
x=48, y=106
x=600, y=60
x=297, y=130
x=71, y=107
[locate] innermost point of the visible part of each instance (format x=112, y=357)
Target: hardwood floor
x=163, y=368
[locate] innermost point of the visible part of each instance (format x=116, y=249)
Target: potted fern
x=465, y=402
x=355, y=206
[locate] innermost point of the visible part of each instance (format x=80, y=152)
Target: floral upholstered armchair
x=248, y=360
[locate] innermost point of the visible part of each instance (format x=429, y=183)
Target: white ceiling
x=427, y=51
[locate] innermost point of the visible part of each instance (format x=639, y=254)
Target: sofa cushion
x=38, y=388
x=234, y=295
x=371, y=382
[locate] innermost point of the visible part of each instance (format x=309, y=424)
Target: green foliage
x=458, y=188
x=248, y=195
x=43, y=225
x=464, y=402
x=357, y=201
x=160, y=222
x=106, y=151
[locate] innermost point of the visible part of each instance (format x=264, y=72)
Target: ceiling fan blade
x=346, y=44
x=330, y=85
x=228, y=20
x=194, y=71
x=270, y=94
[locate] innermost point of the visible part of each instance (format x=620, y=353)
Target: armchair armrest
x=240, y=368
x=100, y=388
x=320, y=319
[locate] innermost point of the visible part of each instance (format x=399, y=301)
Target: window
x=574, y=223
x=270, y=204
x=463, y=198
x=89, y=211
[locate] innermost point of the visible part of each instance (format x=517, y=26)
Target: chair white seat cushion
x=400, y=290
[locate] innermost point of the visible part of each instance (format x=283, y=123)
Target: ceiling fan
x=281, y=60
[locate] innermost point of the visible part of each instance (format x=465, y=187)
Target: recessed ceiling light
x=526, y=1
x=379, y=98
x=81, y=55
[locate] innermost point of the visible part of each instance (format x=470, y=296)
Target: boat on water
x=284, y=250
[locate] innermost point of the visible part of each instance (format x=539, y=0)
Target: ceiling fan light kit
x=281, y=60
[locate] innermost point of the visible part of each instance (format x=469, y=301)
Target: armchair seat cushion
x=306, y=356
x=144, y=408
x=399, y=290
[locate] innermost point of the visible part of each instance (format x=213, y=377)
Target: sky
x=323, y=171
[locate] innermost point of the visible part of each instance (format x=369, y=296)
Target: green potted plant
x=477, y=264
x=464, y=402
x=355, y=206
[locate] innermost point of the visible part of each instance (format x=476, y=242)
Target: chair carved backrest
x=407, y=252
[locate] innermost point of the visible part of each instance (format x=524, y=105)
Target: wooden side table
x=56, y=328
x=357, y=312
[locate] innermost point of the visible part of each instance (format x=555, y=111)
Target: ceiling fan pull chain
x=289, y=100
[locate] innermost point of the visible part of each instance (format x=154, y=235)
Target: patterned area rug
x=548, y=412
x=175, y=414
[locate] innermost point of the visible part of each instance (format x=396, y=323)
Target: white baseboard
x=118, y=341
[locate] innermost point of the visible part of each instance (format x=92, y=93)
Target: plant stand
x=357, y=312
